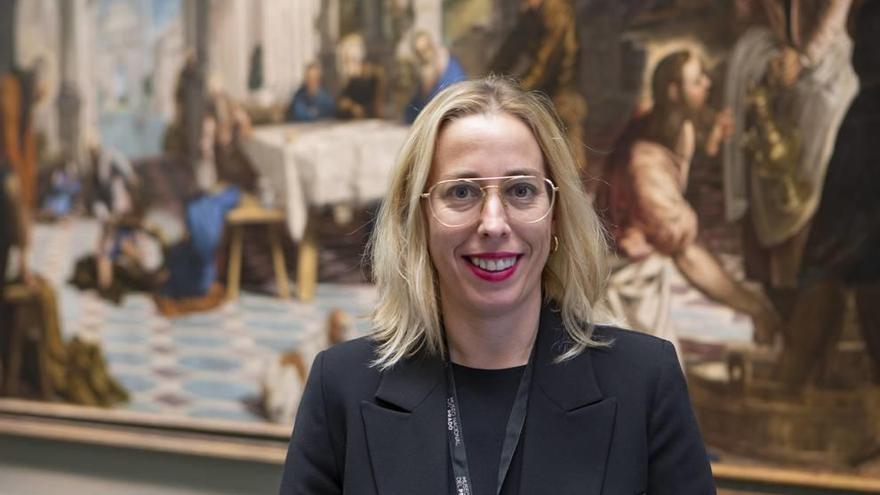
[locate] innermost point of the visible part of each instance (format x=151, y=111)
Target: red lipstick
x=493, y=276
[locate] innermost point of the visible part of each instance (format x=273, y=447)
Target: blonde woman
x=484, y=373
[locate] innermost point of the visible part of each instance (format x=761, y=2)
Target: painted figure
x=652, y=224
x=363, y=84
x=311, y=101
x=542, y=51
x=20, y=91
x=437, y=68
x=789, y=83
x=840, y=255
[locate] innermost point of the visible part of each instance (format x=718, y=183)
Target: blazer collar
x=570, y=384
x=568, y=423
x=407, y=384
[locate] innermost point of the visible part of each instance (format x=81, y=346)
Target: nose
x=493, y=216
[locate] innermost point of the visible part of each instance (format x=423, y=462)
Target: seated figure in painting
x=188, y=278
x=436, y=69
x=311, y=101
x=120, y=263
x=363, y=83
x=34, y=359
x=226, y=125
x=652, y=225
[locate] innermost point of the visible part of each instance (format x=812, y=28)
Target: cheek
x=540, y=239
x=442, y=242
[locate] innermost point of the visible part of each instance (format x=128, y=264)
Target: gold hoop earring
x=555, y=244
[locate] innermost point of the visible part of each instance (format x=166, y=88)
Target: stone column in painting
x=290, y=39
x=195, y=15
x=429, y=17
x=228, y=43
x=69, y=102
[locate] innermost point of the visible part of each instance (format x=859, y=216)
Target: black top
x=612, y=420
x=485, y=398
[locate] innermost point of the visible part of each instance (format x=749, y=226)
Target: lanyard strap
x=512, y=434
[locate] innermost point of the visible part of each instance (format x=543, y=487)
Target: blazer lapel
x=404, y=429
x=569, y=425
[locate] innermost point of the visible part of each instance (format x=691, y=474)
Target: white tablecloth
x=325, y=163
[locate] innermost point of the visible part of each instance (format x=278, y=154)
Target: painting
x=189, y=187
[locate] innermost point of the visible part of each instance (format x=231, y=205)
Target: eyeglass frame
x=427, y=195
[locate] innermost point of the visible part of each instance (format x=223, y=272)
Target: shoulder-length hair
x=407, y=319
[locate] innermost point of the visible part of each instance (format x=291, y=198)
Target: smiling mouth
x=493, y=268
x=493, y=265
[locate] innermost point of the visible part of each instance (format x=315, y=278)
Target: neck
x=492, y=341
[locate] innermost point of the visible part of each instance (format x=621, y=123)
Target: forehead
x=692, y=68
x=486, y=145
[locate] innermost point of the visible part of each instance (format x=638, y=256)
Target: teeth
x=493, y=265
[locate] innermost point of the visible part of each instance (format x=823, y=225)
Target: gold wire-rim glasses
x=553, y=189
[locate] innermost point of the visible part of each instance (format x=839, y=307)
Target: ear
x=673, y=92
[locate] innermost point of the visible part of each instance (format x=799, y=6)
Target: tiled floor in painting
x=208, y=365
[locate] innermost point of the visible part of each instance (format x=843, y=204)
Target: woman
x=483, y=366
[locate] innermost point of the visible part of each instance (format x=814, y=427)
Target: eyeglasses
x=459, y=202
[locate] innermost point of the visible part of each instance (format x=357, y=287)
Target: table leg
x=233, y=278
x=278, y=262
x=307, y=264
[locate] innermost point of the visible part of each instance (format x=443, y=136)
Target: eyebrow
x=468, y=174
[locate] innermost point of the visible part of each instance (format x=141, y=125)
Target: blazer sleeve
x=311, y=465
x=678, y=463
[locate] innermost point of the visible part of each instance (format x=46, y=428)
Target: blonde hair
x=406, y=319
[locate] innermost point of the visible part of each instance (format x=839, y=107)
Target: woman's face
x=480, y=146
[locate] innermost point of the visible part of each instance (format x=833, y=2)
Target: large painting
x=188, y=188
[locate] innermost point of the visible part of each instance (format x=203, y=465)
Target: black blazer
x=611, y=421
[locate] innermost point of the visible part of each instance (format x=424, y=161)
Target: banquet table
x=311, y=165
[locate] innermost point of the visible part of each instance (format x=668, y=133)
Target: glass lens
x=459, y=202
x=527, y=198
x=456, y=202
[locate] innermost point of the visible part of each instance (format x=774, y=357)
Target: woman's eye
x=461, y=191
x=521, y=190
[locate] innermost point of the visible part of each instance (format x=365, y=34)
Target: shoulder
x=351, y=352
x=647, y=152
x=345, y=369
x=630, y=344
x=631, y=358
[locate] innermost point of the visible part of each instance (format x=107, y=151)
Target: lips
x=493, y=267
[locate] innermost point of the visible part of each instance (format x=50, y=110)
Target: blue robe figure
x=453, y=74
x=311, y=102
x=309, y=108
x=192, y=264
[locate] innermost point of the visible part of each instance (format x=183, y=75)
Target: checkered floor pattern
x=208, y=365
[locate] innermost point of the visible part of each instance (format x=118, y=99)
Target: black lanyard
x=512, y=433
